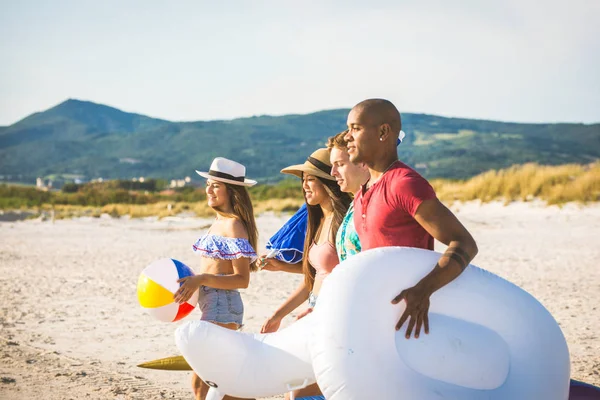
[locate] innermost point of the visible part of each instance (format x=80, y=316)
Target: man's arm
x=443, y=225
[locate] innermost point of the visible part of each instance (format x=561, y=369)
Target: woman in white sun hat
x=326, y=205
x=227, y=251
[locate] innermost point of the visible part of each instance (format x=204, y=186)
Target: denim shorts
x=222, y=306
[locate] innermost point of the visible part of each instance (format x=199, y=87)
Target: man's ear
x=384, y=132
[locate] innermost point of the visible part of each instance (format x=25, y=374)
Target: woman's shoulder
x=233, y=228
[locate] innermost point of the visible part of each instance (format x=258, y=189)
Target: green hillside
x=93, y=140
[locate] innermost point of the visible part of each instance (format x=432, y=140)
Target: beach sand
x=71, y=326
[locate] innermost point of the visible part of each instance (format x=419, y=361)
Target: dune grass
x=161, y=209
x=199, y=209
x=552, y=184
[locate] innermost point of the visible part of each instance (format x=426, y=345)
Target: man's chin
x=354, y=158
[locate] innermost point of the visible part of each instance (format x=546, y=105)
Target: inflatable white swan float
x=488, y=339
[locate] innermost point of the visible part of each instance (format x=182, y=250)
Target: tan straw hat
x=316, y=164
x=227, y=171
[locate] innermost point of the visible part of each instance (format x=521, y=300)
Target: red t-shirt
x=384, y=214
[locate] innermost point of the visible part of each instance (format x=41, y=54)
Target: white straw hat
x=224, y=170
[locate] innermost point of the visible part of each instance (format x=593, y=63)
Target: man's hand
x=417, y=308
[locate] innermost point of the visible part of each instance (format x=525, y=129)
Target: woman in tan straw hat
x=327, y=205
x=227, y=252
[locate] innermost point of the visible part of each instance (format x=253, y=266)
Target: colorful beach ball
x=157, y=285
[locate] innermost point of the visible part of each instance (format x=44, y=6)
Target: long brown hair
x=243, y=211
x=340, y=202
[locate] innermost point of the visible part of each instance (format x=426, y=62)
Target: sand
x=71, y=327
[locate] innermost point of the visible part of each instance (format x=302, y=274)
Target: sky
x=507, y=60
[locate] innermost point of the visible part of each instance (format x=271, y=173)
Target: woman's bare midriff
x=216, y=266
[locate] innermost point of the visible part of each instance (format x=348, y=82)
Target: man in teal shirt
x=349, y=177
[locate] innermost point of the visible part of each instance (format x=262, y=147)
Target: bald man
x=398, y=207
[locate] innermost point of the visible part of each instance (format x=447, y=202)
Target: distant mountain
x=94, y=140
